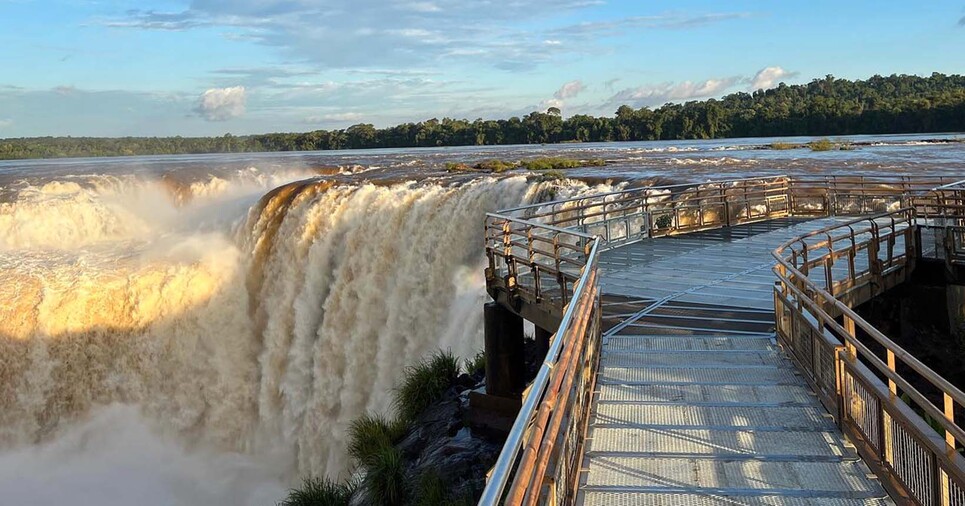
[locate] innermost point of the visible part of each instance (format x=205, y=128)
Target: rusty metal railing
x=545, y=442
x=941, y=215
x=548, y=254
x=535, y=260
x=898, y=412
x=634, y=214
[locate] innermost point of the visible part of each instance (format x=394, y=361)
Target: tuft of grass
x=430, y=490
x=423, y=383
x=551, y=175
x=385, y=480
x=780, y=146
x=320, y=492
x=821, y=145
x=369, y=434
x=495, y=166
x=458, y=167
x=552, y=163
x=663, y=221
x=475, y=364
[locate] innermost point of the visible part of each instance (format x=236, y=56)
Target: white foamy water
x=209, y=343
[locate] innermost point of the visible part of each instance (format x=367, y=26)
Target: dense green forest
x=829, y=106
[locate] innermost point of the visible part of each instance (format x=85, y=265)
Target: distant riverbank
x=897, y=104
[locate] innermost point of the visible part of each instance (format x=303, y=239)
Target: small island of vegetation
x=538, y=164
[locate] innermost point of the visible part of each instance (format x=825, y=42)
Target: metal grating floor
x=695, y=404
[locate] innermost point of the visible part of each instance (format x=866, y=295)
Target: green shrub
x=476, y=363
x=821, y=145
x=551, y=175
x=369, y=434
x=385, y=480
x=496, y=166
x=457, y=167
x=784, y=145
x=552, y=163
x=320, y=492
x=431, y=490
x=423, y=383
x=663, y=221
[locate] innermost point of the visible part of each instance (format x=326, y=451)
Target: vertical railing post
x=508, y=255
x=531, y=256
x=887, y=434
x=945, y=485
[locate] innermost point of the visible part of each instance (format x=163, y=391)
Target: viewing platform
x=704, y=349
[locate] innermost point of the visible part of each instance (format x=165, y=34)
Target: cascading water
x=211, y=342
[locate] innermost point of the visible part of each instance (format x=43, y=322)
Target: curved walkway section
x=695, y=404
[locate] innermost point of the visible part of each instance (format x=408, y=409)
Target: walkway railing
x=630, y=215
x=548, y=254
x=545, y=443
x=899, y=413
x=537, y=250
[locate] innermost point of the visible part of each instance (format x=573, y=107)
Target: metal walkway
x=695, y=403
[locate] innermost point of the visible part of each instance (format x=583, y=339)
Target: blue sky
x=207, y=67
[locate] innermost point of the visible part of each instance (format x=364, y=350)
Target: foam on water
x=218, y=339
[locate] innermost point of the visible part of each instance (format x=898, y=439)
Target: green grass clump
x=821, y=145
x=458, y=167
x=781, y=146
x=431, y=490
x=369, y=434
x=475, y=364
x=663, y=221
x=551, y=175
x=423, y=383
x=320, y=492
x=385, y=480
x=552, y=163
x=495, y=166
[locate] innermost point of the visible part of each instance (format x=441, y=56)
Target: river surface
x=203, y=329
x=674, y=160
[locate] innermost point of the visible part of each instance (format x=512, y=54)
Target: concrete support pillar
x=542, y=343
x=505, y=362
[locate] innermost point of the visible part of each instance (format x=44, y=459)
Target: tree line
x=828, y=106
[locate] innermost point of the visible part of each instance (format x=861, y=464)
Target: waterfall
x=230, y=329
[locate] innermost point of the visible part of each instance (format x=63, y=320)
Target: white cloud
x=664, y=22
x=767, y=77
x=569, y=90
x=222, y=104
x=422, y=7
x=375, y=33
x=339, y=117
x=6, y=122
x=668, y=92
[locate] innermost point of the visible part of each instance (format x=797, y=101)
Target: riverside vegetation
x=413, y=458
x=828, y=106
x=549, y=164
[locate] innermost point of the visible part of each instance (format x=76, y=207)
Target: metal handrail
x=510, y=453
x=632, y=190
x=542, y=243
x=913, y=362
x=815, y=307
